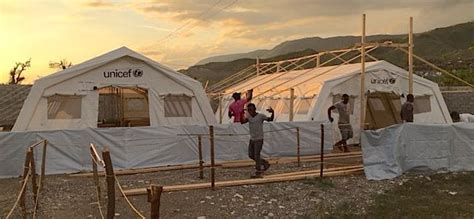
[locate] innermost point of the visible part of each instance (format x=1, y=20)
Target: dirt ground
x=65, y=196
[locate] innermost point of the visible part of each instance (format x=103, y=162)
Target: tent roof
x=309, y=81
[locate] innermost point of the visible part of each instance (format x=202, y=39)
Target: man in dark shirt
x=255, y=121
x=407, y=109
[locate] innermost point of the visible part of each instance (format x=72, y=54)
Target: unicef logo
x=137, y=73
x=392, y=80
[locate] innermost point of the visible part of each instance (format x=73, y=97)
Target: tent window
x=303, y=106
x=422, y=104
x=178, y=106
x=64, y=107
x=376, y=104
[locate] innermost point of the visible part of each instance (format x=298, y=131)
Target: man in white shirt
x=344, y=124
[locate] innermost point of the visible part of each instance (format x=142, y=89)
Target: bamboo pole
x=201, y=162
x=321, y=167
x=154, y=197
x=95, y=172
x=362, y=77
x=292, y=103
x=266, y=179
x=318, y=61
x=43, y=163
x=26, y=169
x=437, y=68
x=220, y=109
x=258, y=66
x=298, y=146
x=34, y=185
x=211, y=139
x=410, y=57
x=110, y=184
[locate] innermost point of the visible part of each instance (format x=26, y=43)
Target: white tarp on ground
x=137, y=147
x=391, y=151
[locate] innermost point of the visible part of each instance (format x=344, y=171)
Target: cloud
x=99, y=4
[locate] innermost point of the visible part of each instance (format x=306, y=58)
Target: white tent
x=117, y=89
x=317, y=89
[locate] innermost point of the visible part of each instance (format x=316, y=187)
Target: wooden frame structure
x=334, y=57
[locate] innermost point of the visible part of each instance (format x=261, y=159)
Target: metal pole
x=321, y=168
x=410, y=57
x=298, y=146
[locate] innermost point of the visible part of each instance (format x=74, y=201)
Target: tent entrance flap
x=123, y=107
x=383, y=109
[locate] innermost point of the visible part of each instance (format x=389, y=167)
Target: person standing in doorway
x=407, y=109
x=344, y=124
x=255, y=121
x=236, y=108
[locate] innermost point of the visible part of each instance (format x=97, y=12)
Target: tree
x=17, y=70
x=62, y=64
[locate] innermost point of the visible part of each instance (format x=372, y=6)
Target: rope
x=23, y=187
x=126, y=198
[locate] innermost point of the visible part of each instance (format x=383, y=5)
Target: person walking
x=344, y=124
x=255, y=121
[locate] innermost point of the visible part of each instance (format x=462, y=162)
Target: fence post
x=298, y=146
x=211, y=139
x=109, y=173
x=154, y=197
x=322, y=152
x=34, y=186
x=43, y=163
x=26, y=169
x=201, y=167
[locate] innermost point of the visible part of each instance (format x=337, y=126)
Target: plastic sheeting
x=139, y=147
x=391, y=151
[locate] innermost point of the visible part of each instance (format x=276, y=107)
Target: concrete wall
x=459, y=99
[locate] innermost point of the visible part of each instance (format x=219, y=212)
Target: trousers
x=255, y=148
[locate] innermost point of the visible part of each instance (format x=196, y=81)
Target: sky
x=179, y=33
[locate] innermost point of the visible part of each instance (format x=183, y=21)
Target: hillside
x=447, y=47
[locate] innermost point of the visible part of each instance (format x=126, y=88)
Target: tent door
x=383, y=109
x=123, y=107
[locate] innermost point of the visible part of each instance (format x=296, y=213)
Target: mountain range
x=444, y=46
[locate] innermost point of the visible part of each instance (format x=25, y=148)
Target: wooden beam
x=362, y=77
x=43, y=164
x=315, y=171
x=292, y=104
x=227, y=164
x=143, y=191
